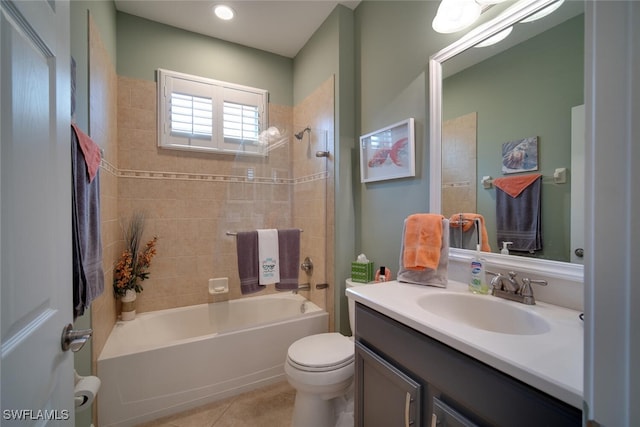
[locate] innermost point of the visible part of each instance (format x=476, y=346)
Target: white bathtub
x=168, y=361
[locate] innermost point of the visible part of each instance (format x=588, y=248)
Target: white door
x=577, y=183
x=35, y=232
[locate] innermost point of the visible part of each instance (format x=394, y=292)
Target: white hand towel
x=268, y=256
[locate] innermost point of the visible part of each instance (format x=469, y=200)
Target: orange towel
x=422, y=241
x=454, y=221
x=514, y=185
x=90, y=151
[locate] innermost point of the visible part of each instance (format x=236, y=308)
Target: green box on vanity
x=362, y=272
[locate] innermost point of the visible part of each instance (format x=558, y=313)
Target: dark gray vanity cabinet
x=389, y=396
x=405, y=378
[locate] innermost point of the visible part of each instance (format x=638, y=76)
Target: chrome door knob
x=74, y=340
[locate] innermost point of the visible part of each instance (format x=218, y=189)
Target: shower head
x=300, y=134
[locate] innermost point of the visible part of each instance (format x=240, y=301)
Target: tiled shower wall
x=103, y=128
x=191, y=199
x=459, y=158
x=313, y=201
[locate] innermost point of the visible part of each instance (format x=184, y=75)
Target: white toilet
x=320, y=367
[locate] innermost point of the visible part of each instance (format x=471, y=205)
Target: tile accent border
x=184, y=176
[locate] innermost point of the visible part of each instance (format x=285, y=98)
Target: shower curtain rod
x=235, y=233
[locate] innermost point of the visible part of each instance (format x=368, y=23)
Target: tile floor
x=270, y=406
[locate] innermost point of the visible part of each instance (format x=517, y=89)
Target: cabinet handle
x=434, y=420
x=407, y=406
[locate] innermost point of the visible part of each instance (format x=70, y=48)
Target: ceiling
x=280, y=27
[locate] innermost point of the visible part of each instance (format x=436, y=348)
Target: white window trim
x=219, y=92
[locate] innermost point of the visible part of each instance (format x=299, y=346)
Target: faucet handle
x=496, y=282
x=527, y=291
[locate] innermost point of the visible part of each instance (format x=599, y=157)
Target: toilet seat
x=321, y=352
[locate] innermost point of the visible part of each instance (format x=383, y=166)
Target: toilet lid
x=321, y=352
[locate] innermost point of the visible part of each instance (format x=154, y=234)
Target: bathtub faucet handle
x=307, y=265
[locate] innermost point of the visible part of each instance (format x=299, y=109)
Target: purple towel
x=519, y=219
x=88, y=275
x=289, y=255
x=247, y=249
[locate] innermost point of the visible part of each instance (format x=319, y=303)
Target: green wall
x=394, y=41
x=392, y=52
x=144, y=46
x=526, y=91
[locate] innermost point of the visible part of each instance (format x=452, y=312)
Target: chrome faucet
x=507, y=287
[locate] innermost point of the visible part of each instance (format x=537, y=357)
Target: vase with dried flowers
x=133, y=266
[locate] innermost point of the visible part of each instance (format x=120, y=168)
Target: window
x=196, y=113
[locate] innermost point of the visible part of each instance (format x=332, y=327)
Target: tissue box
x=362, y=272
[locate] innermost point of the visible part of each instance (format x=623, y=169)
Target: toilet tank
x=352, y=304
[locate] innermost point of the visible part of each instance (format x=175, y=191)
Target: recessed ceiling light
x=224, y=12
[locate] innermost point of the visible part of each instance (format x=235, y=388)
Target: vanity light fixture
x=496, y=38
x=456, y=15
x=223, y=12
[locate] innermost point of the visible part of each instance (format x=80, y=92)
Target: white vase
x=129, y=305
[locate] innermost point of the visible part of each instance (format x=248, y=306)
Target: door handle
x=74, y=340
x=407, y=412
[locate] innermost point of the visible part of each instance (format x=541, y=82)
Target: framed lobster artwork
x=388, y=153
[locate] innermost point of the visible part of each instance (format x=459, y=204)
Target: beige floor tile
x=270, y=406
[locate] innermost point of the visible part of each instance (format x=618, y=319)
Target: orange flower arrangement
x=133, y=266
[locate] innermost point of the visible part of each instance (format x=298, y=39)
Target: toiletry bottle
x=381, y=275
x=505, y=249
x=478, y=283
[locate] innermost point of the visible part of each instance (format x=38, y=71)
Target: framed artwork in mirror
x=388, y=153
x=520, y=155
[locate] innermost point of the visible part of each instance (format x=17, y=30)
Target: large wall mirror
x=529, y=88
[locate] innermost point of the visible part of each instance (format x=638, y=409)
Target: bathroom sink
x=484, y=312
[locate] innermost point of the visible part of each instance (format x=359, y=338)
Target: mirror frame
x=510, y=16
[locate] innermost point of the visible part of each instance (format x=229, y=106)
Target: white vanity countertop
x=550, y=361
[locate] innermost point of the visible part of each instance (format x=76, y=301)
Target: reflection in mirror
x=525, y=88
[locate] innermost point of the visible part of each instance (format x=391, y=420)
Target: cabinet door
x=444, y=415
x=385, y=396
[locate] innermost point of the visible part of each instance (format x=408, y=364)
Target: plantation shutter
x=208, y=115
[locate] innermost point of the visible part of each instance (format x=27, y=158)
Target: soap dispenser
x=505, y=249
x=478, y=282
